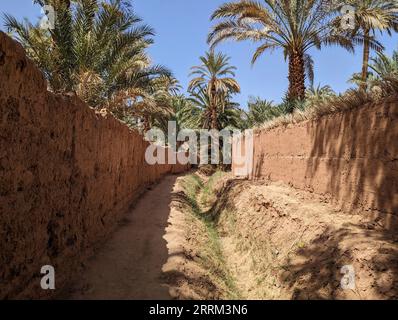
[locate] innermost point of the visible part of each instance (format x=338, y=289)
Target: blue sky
x=182, y=27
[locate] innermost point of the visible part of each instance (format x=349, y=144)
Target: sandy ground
x=152, y=255
x=277, y=243
x=283, y=243
x=129, y=266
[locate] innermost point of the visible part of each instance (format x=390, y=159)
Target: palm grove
x=98, y=51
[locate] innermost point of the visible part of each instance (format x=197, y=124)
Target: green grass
x=211, y=257
x=208, y=196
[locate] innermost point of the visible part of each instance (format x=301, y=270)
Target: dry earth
x=198, y=238
x=129, y=266
x=283, y=243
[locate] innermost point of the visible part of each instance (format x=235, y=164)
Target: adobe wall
x=67, y=175
x=351, y=157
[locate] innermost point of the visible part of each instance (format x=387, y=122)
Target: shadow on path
x=129, y=265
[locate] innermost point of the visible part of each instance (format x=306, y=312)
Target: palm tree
x=97, y=50
x=169, y=84
x=201, y=112
x=384, y=66
x=319, y=94
x=261, y=111
x=216, y=75
x=200, y=115
x=159, y=105
x=295, y=26
x=180, y=113
x=383, y=78
x=370, y=16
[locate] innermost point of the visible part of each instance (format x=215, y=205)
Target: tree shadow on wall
x=358, y=153
x=314, y=272
x=258, y=166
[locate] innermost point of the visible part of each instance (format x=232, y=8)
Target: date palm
x=201, y=111
x=295, y=26
x=385, y=66
x=383, y=78
x=371, y=16
x=180, y=114
x=97, y=50
x=216, y=75
x=260, y=111
x=316, y=94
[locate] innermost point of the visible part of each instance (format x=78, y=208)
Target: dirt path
x=129, y=266
x=265, y=241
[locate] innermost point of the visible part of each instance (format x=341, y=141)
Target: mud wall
x=351, y=157
x=67, y=175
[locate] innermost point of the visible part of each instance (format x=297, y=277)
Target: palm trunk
x=213, y=102
x=296, y=76
x=214, y=122
x=213, y=113
x=146, y=124
x=365, y=64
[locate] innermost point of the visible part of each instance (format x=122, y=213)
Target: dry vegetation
x=352, y=99
x=275, y=242
x=202, y=272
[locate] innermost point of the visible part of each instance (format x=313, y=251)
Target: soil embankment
x=198, y=237
x=277, y=242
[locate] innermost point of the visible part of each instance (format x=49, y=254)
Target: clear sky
x=182, y=27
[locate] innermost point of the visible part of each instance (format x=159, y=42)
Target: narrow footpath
x=129, y=266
